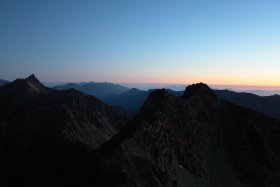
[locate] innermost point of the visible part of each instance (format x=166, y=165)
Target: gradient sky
x=232, y=42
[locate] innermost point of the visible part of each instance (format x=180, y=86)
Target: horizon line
x=224, y=86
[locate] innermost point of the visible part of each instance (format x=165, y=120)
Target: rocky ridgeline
x=50, y=137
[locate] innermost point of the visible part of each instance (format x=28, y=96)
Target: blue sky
x=162, y=41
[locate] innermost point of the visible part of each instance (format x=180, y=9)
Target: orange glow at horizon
x=229, y=82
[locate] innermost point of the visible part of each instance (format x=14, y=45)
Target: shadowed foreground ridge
x=195, y=140
x=45, y=134
x=199, y=140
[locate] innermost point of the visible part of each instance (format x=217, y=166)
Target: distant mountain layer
x=99, y=90
x=3, y=82
x=46, y=134
x=260, y=92
x=269, y=105
x=132, y=100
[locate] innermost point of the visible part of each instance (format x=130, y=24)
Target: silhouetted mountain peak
x=156, y=101
x=32, y=77
x=198, y=89
x=28, y=85
x=157, y=95
x=131, y=92
x=34, y=85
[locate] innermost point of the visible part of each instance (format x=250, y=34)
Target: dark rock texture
x=198, y=140
x=45, y=134
x=54, y=138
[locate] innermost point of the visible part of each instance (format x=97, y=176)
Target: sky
x=218, y=42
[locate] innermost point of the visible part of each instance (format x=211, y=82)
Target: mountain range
x=99, y=90
x=132, y=99
x=44, y=132
x=54, y=137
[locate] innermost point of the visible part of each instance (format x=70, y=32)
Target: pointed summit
x=28, y=85
x=35, y=85
x=156, y=101
x=33, y=79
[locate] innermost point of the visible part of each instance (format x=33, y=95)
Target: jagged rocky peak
x=28, y=85
x=156, y=100
x=200, y=89
x=159, y=93
x=33, y=78
x=52, y=133
x=35, y=85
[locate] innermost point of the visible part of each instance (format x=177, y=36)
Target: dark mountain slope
x=60, y=138
x=47, y=135
x=195, y=140
x=3, y=82
x=133, y=99
x=99, y=90
x=269, y=105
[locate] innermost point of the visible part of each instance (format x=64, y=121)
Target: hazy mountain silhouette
x=269, y=105
x=3, y=82
x=131, y=100
x=99, y=90
x=258, y=92
x=46, y=134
